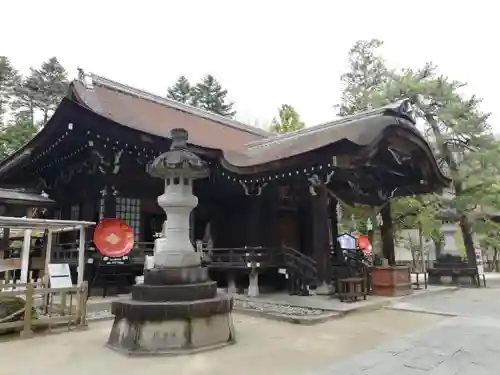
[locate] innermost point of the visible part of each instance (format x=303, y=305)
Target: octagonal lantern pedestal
x=177, y=309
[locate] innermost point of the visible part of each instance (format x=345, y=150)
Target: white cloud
x=264, y=52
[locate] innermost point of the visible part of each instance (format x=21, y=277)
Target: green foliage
x=289, y=120
x=15, y=135
x=9, y=77
x=181, y=91
x=458, y=130
x=209, y=95
x=41, y=91
x=51, y=83
x=367, y=72
x=206, y=94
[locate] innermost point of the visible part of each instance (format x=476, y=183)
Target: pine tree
x=464, y=142
x=9, y=77
x=51, y=82
x=181, y=91
x=209, y=95
x=26, y=98
x=289, y=120
x=367, y=72
x=41, y=91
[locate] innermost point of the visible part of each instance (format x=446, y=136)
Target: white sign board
x=59, y=275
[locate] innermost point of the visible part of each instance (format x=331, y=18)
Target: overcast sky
x=264, y=52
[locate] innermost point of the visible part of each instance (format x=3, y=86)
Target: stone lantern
x=177, y=309
x=178, y=168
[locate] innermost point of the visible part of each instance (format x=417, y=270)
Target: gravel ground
x=245, y=304
x=276, y=308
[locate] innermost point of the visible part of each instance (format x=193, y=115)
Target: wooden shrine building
x=264, y=190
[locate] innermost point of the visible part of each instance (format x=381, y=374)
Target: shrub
x=10, y=305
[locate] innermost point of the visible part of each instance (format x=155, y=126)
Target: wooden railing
x=301, y=266
x=301, y=263
x=243, y=257
x=44, y=307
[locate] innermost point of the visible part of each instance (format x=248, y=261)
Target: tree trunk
x=464, y=223
x=495, y=260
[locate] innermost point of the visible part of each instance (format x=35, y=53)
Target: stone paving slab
x=463, y=302
x=456, y=346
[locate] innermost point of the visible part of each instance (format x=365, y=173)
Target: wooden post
x=321, y=237
x=82, y=305
x=81, y=256
x=62, y=304
x=28, y=312
x=387, y=234
x=253, y=232
x=334, y=228
x=5, y=242
x=109, y=203
x=25, y=256
x=46, y=279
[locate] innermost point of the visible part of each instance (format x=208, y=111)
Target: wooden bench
x=352, y=288
x=435, y=275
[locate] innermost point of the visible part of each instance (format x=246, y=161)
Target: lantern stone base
x=391, y=281
x=164, y=256
x=175, y=311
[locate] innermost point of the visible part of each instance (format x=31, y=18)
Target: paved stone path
x=467, y=343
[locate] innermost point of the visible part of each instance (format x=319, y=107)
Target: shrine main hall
x=273, y=194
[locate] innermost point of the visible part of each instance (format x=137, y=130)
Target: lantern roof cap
x=178, y=161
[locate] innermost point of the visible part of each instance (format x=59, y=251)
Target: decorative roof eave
x=366, y=130
x=90, y=79
x=42, y=136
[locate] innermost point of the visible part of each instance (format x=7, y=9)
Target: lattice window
x=129, y=210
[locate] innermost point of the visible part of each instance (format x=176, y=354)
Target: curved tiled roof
x=155, y=115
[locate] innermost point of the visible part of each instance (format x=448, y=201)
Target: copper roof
x=155, y=115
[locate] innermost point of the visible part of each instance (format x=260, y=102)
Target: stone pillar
x=253, y=283
x=231, y=283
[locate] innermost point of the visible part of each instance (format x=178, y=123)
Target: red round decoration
x=364, y=244
x=113, y=238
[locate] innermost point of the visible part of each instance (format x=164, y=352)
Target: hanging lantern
x=369, y=225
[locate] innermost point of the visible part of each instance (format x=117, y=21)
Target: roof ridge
x=312, y=129
x=141, y=94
